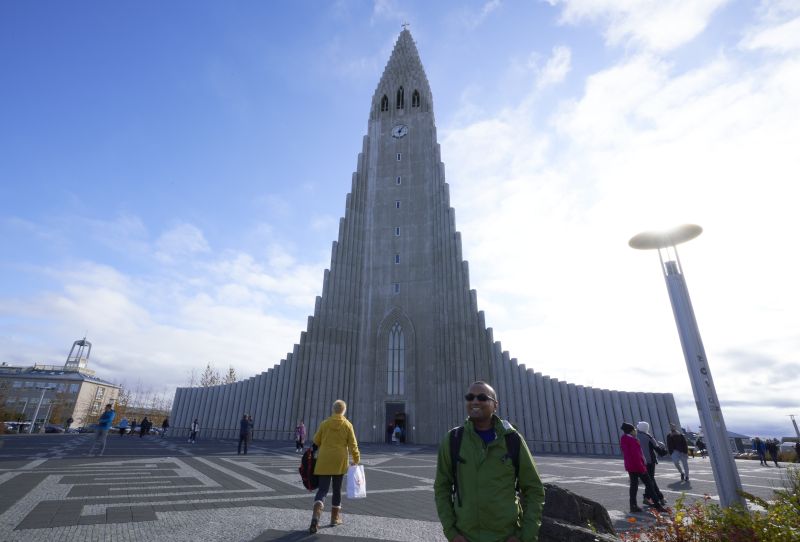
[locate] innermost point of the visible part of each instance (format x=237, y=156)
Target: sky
x=172, y=177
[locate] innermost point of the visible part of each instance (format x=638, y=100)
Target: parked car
x=52, y=428
x=88, y=428
x=17, y=427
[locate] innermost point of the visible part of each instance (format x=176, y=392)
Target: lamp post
x=723, y=465
x=38, y=406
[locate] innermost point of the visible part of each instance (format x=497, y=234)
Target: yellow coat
x=334, y=438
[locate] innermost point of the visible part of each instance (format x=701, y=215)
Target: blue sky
x=172, y=176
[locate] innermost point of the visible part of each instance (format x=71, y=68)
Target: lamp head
x=648, y=240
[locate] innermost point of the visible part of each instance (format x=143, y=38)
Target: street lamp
x=38, y=406
x=723, y=466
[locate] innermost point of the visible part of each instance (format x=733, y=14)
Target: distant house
x=56, y=393
x=738, y=443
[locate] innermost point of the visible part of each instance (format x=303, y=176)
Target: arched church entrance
x=396, y=417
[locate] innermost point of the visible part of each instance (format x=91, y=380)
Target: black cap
x=627, y=427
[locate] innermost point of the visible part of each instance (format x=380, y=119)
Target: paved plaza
x=167, y=489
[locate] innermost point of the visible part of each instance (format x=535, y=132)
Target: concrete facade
x=397, y=332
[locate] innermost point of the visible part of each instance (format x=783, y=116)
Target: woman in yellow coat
x=336, y=440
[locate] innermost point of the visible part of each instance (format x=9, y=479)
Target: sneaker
x=647, y=501
x=683, y=477
x=635, y=509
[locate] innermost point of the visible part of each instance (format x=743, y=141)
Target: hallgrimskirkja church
x=397, y=332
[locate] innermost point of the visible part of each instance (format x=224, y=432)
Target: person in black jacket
x=650, y=446
x=244, y=433
x=678, y=449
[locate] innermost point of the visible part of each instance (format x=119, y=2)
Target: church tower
x=396, y=332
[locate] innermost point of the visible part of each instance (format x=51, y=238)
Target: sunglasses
x=482, y=397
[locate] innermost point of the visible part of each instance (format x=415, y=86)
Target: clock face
x=399, y=131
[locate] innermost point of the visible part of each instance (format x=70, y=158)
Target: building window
x=397, y=231
x=397, y=204
x=17, y=384
x=396, y=258
x=399, y=155
x=100, y=392
x=28, y=384
x=384, y=103
x=415, y=99
x=61, y=387
x=73, y=388
x=396, y=287
x=400, y=98
x=95, y=407
x=399, y=179
x=396, y=360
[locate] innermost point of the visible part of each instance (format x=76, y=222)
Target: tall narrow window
x=396, y=287
x=400, y=98
x=399, y=156
x=385, y=103
x=396, y=361
x=396, y=258
x=399, y=180
x=397, y=204
x=397, y=231
x=415, y=99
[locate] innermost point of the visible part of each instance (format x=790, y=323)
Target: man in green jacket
x=487, y=507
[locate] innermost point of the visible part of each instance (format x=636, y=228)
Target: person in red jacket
x=635, y=465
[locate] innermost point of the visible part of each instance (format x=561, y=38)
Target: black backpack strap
x=456, y=434
x=513, y=445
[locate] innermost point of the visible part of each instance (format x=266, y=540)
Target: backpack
x=512, y=451
x=307, y=462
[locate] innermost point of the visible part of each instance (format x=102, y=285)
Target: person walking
x=244, y=434
x=701, y=447
x=635, y=466
x=678, y=449
x=772, y=447
x=144, y=427
x=335, y=439
x=649, y=448
x=797, y=451
x=299, y=436
x=194, y=429
x=761, y=450
x=487, y=487
x=164, y=427
x=103, y=425
x=123, y=427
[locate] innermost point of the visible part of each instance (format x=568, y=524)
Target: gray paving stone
x=208, y=493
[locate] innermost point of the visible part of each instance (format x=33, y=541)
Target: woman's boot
x=336, y=516
x=315, y=515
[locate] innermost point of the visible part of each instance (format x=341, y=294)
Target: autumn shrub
x=777, y=520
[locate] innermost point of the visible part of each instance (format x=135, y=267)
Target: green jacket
x=490, y=510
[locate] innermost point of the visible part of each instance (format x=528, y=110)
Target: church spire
x=403, y=84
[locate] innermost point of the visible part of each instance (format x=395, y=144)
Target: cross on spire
x=405, y=26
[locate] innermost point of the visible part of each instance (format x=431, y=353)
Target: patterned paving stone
x=166, y=489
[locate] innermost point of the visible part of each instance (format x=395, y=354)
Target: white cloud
x=656, y=25
x=180, y=241
x=548, y=209
x=782, y=37
x=557, y=67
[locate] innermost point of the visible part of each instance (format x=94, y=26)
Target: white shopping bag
x=356, y=483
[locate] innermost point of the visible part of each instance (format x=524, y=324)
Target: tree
x=210, y=377
x=230, y=378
